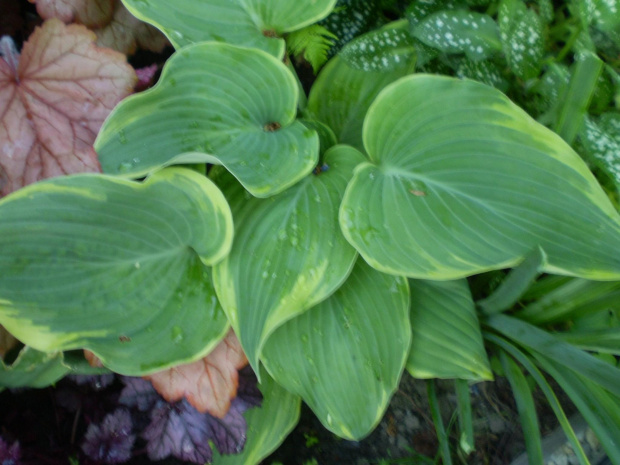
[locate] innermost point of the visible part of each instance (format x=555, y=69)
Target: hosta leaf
x=521, y=32
x=117, y=267
x=345, y=356
x=446, y=341
x=53, y=100
x=463, y=181
x=201, y=111
x=459, y=31
x=249, y=23
x=382, y=49
x=342, y=94
x=288, y=253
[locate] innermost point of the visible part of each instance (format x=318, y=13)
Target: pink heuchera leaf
x=209, y=384
x=114, y=25
x=53, y=103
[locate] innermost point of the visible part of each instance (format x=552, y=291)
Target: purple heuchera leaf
x=112, y=441
x=97, y=382
x=248, y=390
x=180, y=430
x=177, y=429
x=9, y=455
x=138, y=393
x=228, y=433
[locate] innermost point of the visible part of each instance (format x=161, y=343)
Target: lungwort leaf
x=345, y=356
x=288, y=253
x=446, y=336
x=202, y=111
x=461, y=181
x=117, y=267
x=249, y=23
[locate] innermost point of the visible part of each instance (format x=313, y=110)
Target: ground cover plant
x=442, y=202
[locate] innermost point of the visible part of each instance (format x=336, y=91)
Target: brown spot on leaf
x=270, y=33
x=271, y=127
x=418, y=193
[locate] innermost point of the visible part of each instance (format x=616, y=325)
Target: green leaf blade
x=345, y=356
x=240, y=22
x=446, y=335
x=116, y=267
x=288, y=253
x=201, y=112
x=462, y=181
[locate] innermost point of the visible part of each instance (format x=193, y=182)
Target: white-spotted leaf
x=288, y=253
x=381, y=50
x=521, y=32
x=249, y=23
x=459, y=31
x=116, y=267
x=461, y=181
x=446, y=340
x=201, y=111
x=345, y=356
x=601, y=141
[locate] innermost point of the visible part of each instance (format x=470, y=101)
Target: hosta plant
x=351, y=235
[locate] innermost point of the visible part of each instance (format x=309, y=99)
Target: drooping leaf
x=248, y=23
x=345, y=356
x=209, y=384
x=114, y=266
x=342, y=94
x=288, y=253
x=461, y=181
x=53, y=103
x=112, y=441
x=201, y=112
x=114, y=26
x=446, y=340
x=33, y=369
x=460, y=31
x=268, y=425
x=521, y=32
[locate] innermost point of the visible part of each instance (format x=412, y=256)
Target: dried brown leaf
x=114, y=25
x=209, y=384
x=91, y=13
x=7, y=342
x=53, y=103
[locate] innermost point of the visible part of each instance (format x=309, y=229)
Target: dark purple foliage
x=178, y=429
x=9, y=455
x=248, y=391
x=228, y=433
x=138, y=393
x=112, y=441
x=97, y=382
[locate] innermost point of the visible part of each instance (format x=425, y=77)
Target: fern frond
x=313, y=43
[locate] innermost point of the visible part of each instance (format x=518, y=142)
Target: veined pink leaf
x=209, y=384
x=115, y=27
x=53, y=102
